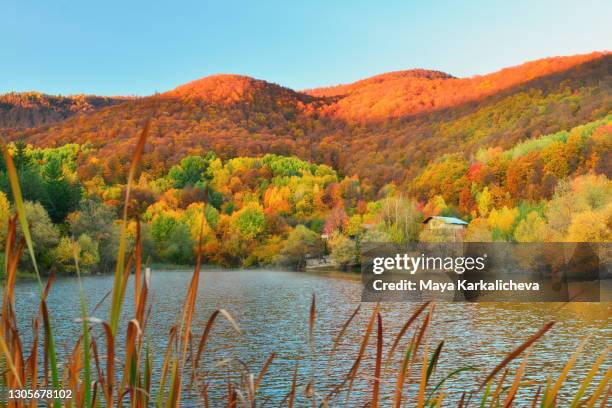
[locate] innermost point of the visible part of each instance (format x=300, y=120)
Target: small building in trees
x=444, y=229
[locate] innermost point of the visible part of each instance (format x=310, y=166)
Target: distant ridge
x=388, y=95
x=30, y=109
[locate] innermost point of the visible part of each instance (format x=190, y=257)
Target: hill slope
x=386, y=128
x=411, y=92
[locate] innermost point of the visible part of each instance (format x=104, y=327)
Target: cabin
x=445, y=229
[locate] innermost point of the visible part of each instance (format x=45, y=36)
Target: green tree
x=250, y=220
x=172, y=239
x=31, y=182
x=299, y=245
x=20, y=156
x=190, y=171
x=62, y=196
x=162, y=227
x=28, y=172
x=180, y=245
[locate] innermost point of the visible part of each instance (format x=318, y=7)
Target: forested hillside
x=276, y=209
x=385, y=129
x=414, y=92
x=31, y=109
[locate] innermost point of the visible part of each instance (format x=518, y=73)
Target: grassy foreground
x=101, y=372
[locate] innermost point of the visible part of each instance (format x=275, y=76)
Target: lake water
x=272, y=309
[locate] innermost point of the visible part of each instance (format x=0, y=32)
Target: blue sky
x=132, y=47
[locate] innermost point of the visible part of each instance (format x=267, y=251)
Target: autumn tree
x=301, y=244
x=45, y=235
x=97, y=220
x=591, y=226
x=478, y=231
x=533, y=228
x=502, y=222
x=343, y=250
x=85, y=250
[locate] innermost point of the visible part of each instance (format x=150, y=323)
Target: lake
x=272, y=310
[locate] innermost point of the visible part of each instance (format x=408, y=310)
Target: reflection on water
x=272, y=310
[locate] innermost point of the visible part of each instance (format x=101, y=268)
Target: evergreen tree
x=62, y=196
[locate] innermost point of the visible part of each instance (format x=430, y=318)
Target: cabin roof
x=446, y=220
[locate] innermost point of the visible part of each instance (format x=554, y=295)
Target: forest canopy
x=281, y=210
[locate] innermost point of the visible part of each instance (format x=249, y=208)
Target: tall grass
x=402, y=375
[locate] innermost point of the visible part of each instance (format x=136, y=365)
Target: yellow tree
x=478, y=231
x=591, y=226
x=531, y=229
x=484, y=200
x=5, y=209
x=502, y=222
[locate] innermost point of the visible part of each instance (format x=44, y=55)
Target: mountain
x=228, y=89
x=385, y=129
x=530, y=100
x=411, y=92
x=31, y=109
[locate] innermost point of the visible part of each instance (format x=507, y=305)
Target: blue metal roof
x=447, y=220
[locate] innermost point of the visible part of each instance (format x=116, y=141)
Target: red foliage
x=384, y=129
x=336, y=221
